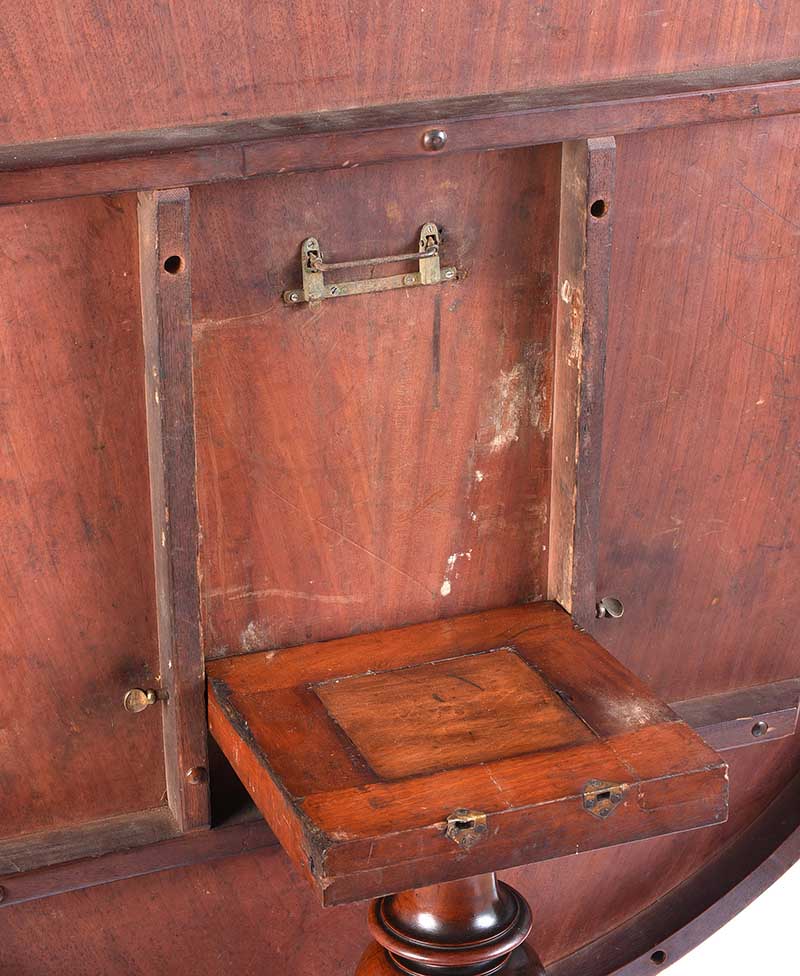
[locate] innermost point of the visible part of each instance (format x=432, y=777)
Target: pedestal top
x=415, y=756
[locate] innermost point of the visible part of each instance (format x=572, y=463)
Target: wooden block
x=167, y=332
x=411, y=757
x=745, y=717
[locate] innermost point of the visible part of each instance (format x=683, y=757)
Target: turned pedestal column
x=473, y=927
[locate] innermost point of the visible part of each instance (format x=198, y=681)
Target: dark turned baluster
x=473, y=927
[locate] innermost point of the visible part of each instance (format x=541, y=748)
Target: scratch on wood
x=247, y=593
x=436, y=350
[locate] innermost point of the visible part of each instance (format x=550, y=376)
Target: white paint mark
x=473, y=516
x=254, y=636
x=447, y=587
x=479, y=475
x=510, y=391
x=566, y=291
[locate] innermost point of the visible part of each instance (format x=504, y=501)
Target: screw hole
x=759, y=729
x=659, y=957
x=173, y=264
x=599, y=209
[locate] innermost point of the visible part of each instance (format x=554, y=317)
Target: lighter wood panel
x=450, y=713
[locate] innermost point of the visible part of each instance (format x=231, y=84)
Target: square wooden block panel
x=434, y=752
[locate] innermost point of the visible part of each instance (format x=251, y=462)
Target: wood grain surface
x=382, y=459
x=187, y=155
x=271, y=917
x=703, y=288
x=165, y=275
x=359, y=791
x=106, y=67
x=77, y=627
x=701, y=482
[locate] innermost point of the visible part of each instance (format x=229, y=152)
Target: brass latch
x=313, y=269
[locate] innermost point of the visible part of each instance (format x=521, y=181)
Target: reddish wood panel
x=701, y=476
x=77, y=627
x=272, y=919
x=381, y=459
x=110, y=67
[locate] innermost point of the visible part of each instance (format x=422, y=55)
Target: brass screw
x=196, y=775
x=434, y=140
x=137, y=699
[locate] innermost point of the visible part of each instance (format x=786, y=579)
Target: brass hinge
x=313, y=269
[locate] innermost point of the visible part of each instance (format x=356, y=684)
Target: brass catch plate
x=602, y=799
x=466, y=827
x=316, y=289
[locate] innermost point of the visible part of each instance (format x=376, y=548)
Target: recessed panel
x=379, y=459
x=451, y=713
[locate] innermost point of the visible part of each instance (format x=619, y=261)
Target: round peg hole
x=659, y=957
x=599, y=208
x=173, y=264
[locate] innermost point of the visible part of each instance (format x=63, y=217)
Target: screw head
x=434, y=140
x=449, y=273
x=759, y=729
x=610, y=606
x=294, y=297
x=137, y=700
x=408, y=279
x=196, y=775
x=334, y=290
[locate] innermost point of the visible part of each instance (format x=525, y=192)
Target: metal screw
x=196, y=775
x=434, y=140
x=449, y=273
x=610, y=606
x=759, y=729
x=334, y=290
x=294, y=297
x=408, y=279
